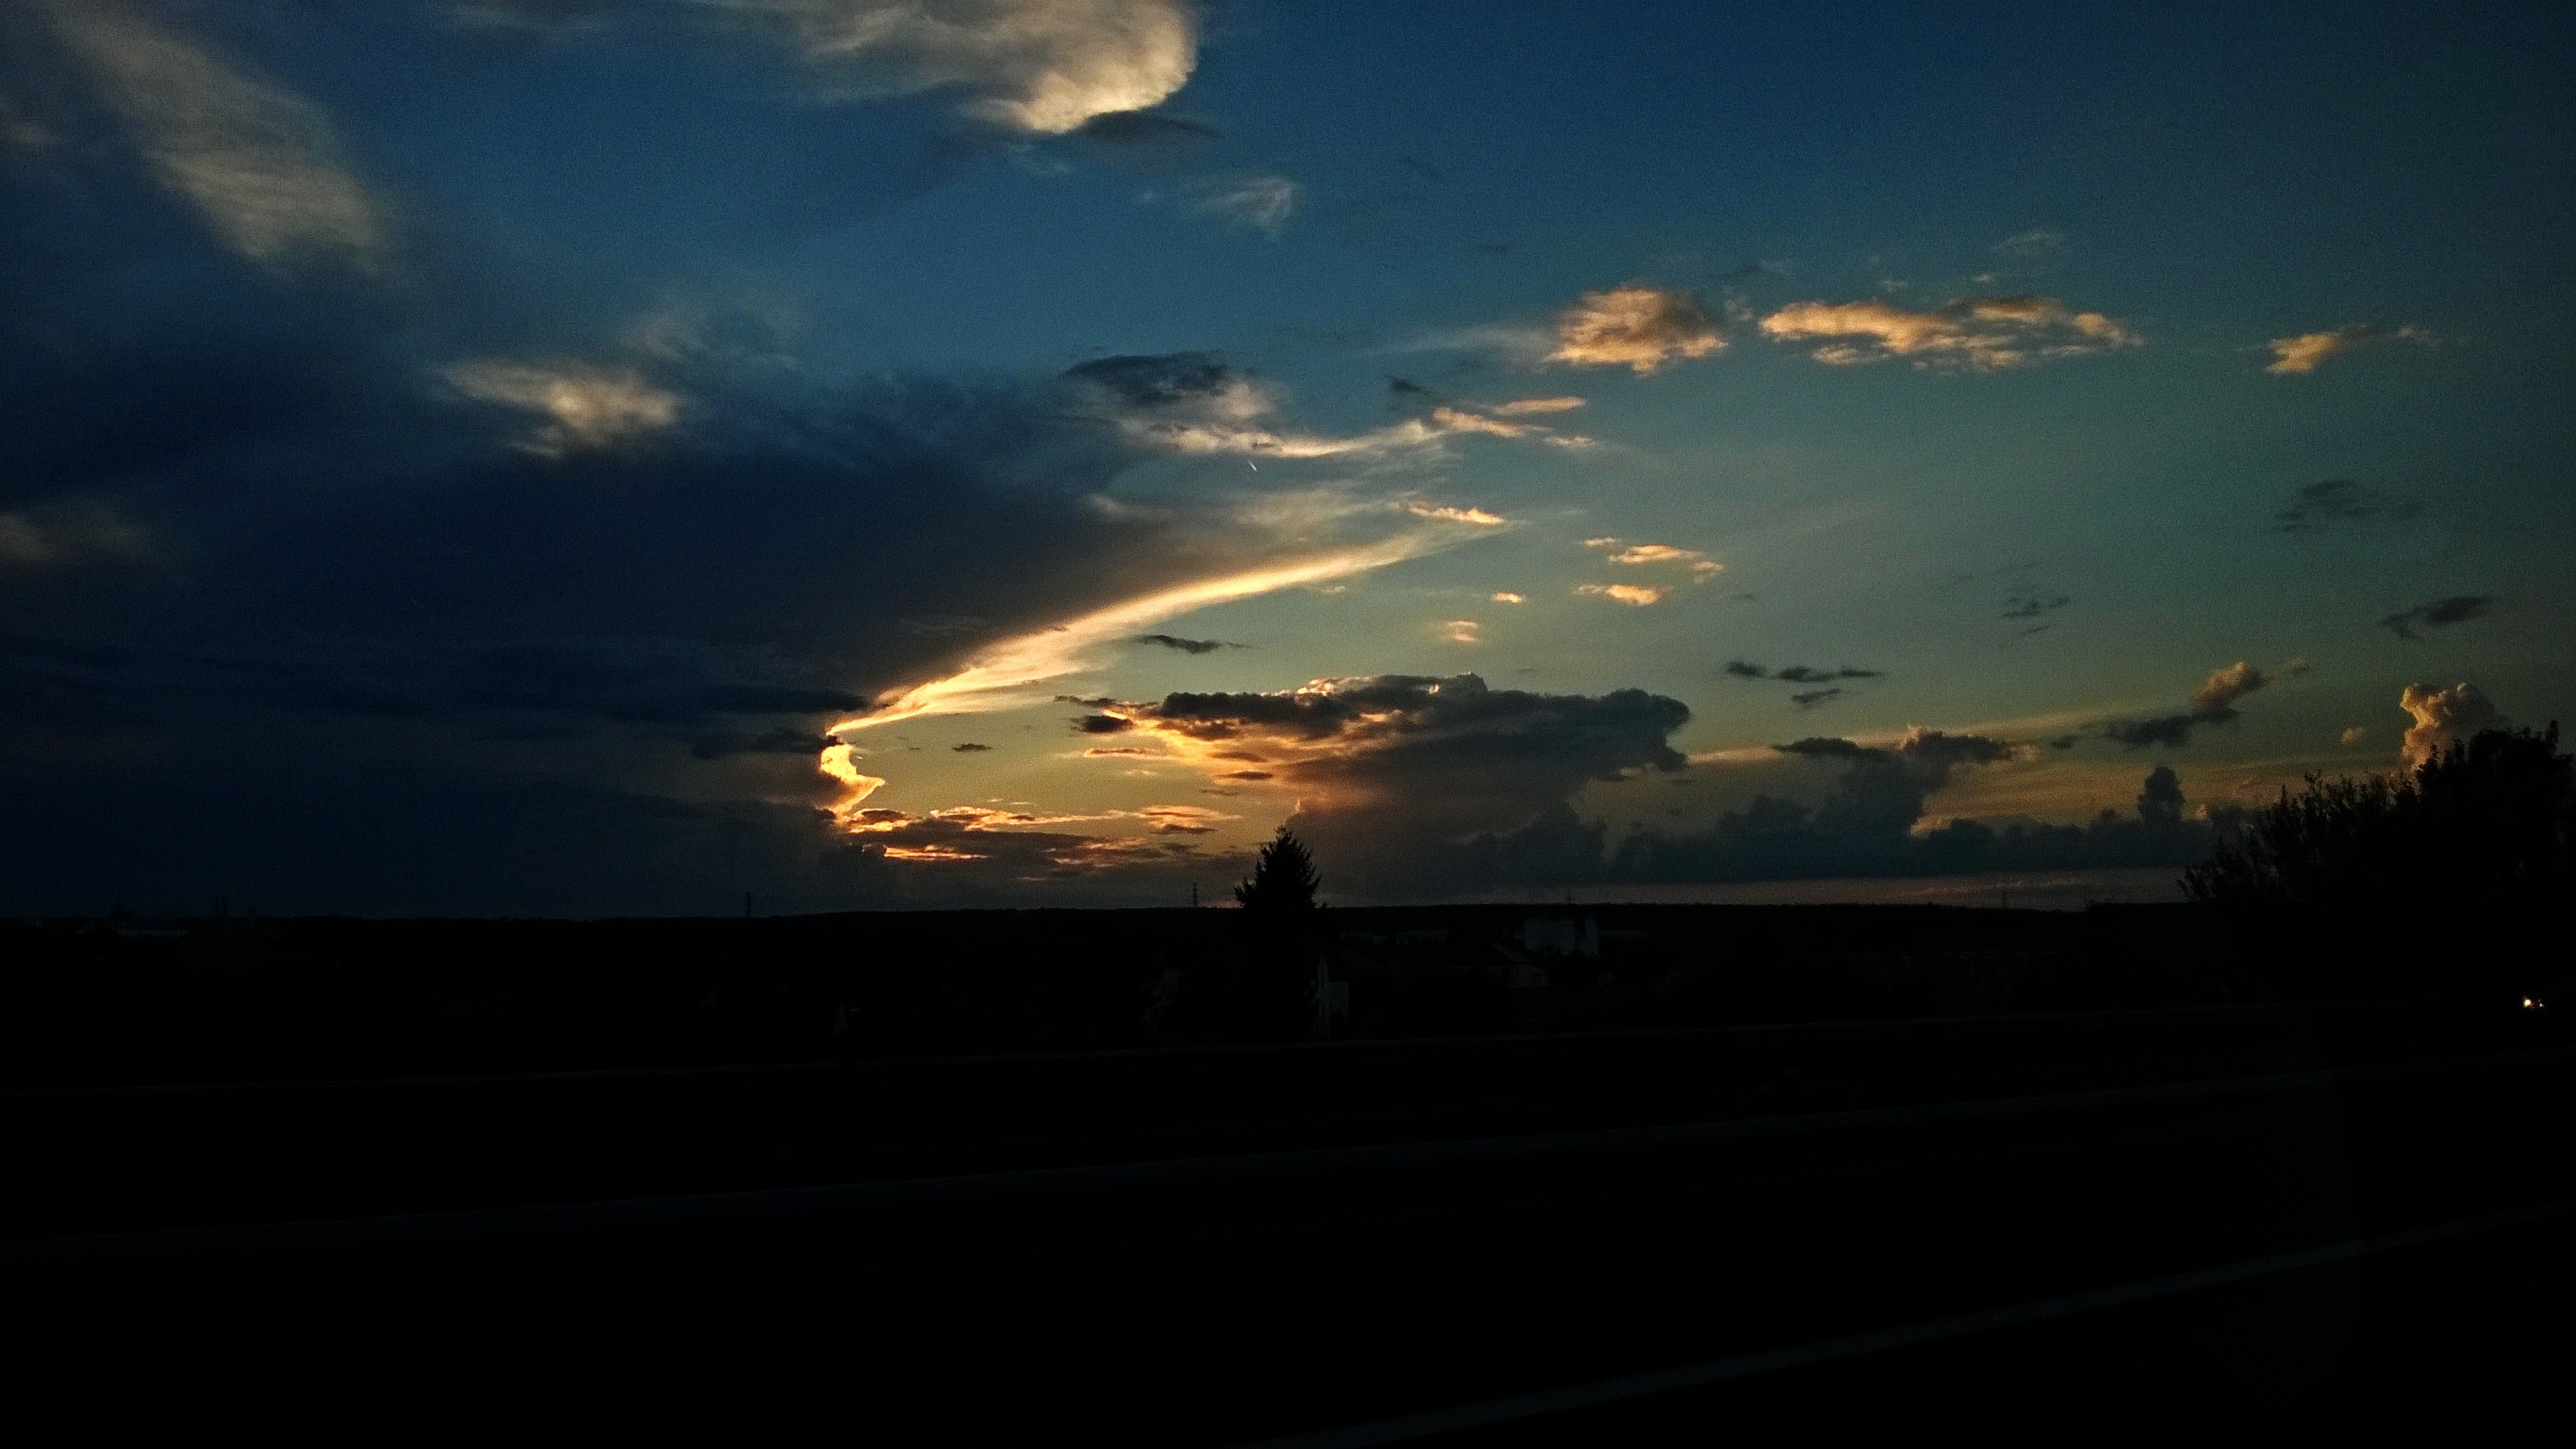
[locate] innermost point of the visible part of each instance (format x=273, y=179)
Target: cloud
x=1261, y=203
x=2308, y=351
x=1411, y=785
x=1809, y=699
x=2037, y=242
x=1463, y=631
x=1871, y=821
x=970, y=748
x=2353, y=735
x=2212, y=704
x=2316, y=507
x=1521, y=407
x=1043, y=67
x=260, y=165
x=2443, y=718
x=2226, y=686
x=1196, y=403
x=2032, y=605
x=1477, y=517
x=1506, y=596
x=1185, y=646
x=1799, y=673
x=2438, y=614
x=1102, y=724
x=1970, y=334
x=1634, y=326
x=50, y=537
x=1634, y=595
x=584, y=407
x=1640, y=555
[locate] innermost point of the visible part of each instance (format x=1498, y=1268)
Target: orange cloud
x=1974, y=334
x=1634, y=326
x=1638, y=595
x=2308, y=351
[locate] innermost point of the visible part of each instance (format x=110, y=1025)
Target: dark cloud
x=1185, y=646
x=1414, y=786
x=970, y=748
x=1102, y=724
x=2032, y=605
x=2160, y=798
x=1804, y=674
x=1150, y=129
x=2438, y=614
x=1158, y=380
x=2317, y=507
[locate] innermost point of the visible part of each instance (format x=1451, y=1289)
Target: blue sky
x=538, y=455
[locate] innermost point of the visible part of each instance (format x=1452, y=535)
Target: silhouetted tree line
x=2460, y=871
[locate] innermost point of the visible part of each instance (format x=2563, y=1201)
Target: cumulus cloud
x=1634, y=595
x=2353, y=735
x=1634, y=326
x=1462, y=631
x=2213, y=703
x=2443, y=718
x=1261, y=203
x=2438, y=614
x=2308, y=351
x=1044, y=67
x=1971, y=334
x=582, y=407
x=1506, y=596
x=260, y=165
x=2316, y=507
x=1408, y=785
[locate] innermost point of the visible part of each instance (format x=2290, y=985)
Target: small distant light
x=2533, y=1003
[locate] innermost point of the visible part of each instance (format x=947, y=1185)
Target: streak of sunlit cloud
x=259, y=164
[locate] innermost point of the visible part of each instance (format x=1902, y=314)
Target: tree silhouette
x=2455, y=870
x=1283, y=882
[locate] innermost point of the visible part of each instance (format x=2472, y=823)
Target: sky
x=563, y=457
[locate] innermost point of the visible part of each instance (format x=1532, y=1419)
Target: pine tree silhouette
x=1283, y=882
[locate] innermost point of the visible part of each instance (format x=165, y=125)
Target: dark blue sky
x=566, y=457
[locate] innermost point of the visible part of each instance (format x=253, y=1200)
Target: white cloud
x=260, y=165
x=583, y=406
x=1262, y=203
x=1973, y=334
x=1043, y=67
x=1462, y=631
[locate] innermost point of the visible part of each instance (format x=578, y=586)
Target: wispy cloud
x=583, y=406
x=1635, y=595
x=1262, y=203
x=2438, y=614
x=1462, y=631
x=258, y=163
x=2308, y=351
x=2036, y=242
x=1194, y=402
x=1643, y=555
x=2316, y=507
x=1969, y=334
x=1043, y=67
x=1011, y=672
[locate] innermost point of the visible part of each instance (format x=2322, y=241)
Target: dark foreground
x=2303, y=1222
